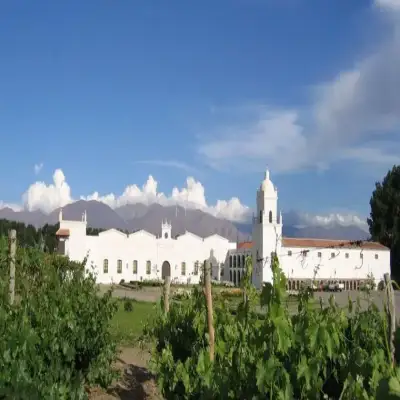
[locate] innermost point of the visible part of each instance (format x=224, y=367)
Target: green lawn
x=128, y=325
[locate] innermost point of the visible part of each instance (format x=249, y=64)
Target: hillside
x=134, y=217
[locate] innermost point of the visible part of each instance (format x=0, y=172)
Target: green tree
x=384, y=221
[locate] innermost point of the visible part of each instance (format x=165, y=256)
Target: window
x=135, y=266
x=238, y=261
x=347, y=255
x=376, y=256
x=332, y=255
x=319, y=254
x=230, y=261
x=289, y=253
x=148, y=267
x=119, y=267
x=243, y=260
x=196, y=268
x=222, y=269
x=105, y=266
x=304, y=253
x=183, y=268
x=234, y=261
x=270, y=216
x=361, y=255
x=166, y=235
x=261, y=216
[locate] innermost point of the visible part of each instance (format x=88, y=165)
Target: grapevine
x=55, y=339
x=321, y=352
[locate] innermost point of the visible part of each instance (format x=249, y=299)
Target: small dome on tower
x=267, y=185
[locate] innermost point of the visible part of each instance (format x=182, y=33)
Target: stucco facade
x=114, y=256
x=303, y=259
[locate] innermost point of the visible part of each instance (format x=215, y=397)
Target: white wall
x=334, y=263
x=143, y=246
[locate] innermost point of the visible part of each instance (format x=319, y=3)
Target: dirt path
x=136, y=381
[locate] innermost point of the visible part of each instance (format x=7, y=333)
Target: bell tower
x=267, y=231
x=166, y=228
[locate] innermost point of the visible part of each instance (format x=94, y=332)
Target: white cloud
x=274, y=133
x=391, y=5
x=344, y=219
x=168, y=163
x=359, y=106
x=14, y=207
x=37, y=168
x=48, y=197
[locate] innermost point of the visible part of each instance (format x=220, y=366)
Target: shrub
x=318, y=353
x=181, y=293
x=128, y=304
x=56, y=339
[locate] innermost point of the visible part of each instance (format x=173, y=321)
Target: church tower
x=166, y=229
x=267, y=231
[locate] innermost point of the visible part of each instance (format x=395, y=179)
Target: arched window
x=238, y=261
x=234, y=261
x=243, y=261
x=148, y=267
x=270, y=216
x=230, y=262
x=183, y=268
x=261, y=216
x=135, y=264
x=105, y=266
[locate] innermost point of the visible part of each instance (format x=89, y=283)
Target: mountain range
x=133, y=217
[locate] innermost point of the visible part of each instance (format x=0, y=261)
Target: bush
x=318, y=353
x=56, y=339
x=222, y=283
x=152, y=282
x=180, y=294
x=128, y=304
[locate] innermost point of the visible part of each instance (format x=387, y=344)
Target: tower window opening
x=270, y=217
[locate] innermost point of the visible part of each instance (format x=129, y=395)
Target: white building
x=301, y=259
x=113, y=255
x=141, y=255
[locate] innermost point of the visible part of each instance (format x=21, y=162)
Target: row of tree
x=384, y=220
x=43, y=238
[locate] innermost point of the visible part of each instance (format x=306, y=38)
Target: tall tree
x=384, y=221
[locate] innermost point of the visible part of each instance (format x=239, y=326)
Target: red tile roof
x=322, y=243
x=62, y=232
x=245, y=245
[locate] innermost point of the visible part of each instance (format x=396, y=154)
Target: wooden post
x=12, y=236
x=390, y=305
x=210, y=321
x=167, y=288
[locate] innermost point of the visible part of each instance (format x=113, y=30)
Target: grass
x=128, y=325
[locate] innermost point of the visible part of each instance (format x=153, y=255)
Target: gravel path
x=154, y=293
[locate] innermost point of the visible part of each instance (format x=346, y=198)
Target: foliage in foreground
x=318, y=353
x=55, y=339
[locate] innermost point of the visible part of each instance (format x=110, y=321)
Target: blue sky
x=111, y=92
